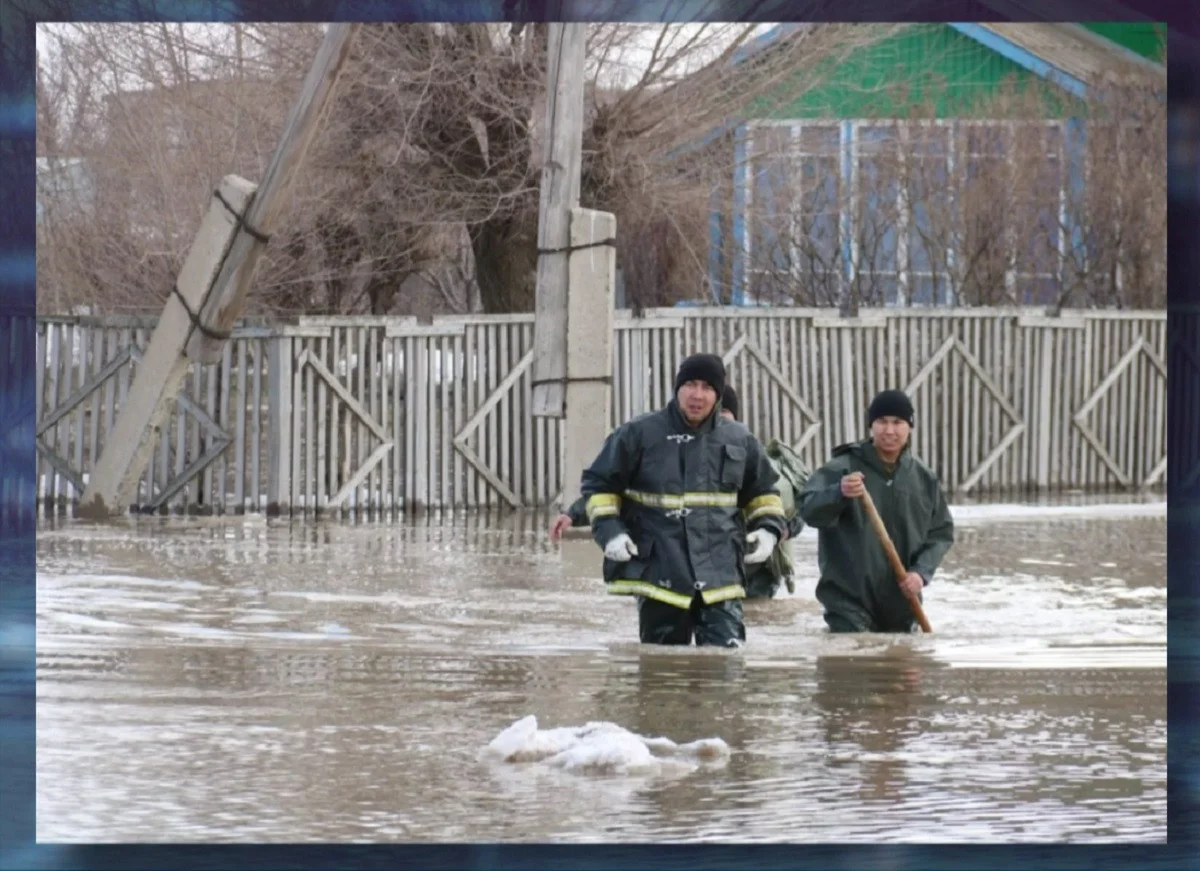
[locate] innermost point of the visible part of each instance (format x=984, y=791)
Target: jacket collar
x=680, y=424
x=866, y=451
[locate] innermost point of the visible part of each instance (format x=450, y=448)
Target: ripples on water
x=230, y=680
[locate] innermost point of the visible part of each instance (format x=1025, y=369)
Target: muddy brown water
x=208, y=680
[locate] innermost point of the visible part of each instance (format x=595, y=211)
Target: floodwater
x=228, y=680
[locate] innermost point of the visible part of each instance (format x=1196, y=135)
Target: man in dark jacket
x=678, y=498
x=858, y=588
x=576, y=513
x=763, y=580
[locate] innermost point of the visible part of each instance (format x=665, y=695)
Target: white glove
x=762, y=542
x=621, y=549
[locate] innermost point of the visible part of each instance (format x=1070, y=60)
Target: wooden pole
x=210, y=291
x=894, y=558
x=561, y=167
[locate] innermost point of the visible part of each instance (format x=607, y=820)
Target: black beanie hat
x=729, y=401
x=891, y=403
x=702, y=367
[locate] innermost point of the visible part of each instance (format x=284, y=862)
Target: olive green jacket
x=857, y=580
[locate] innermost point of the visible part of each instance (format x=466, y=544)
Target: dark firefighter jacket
x=686, y=497
x=578, y=512
x=856, y=578
x=780, y=566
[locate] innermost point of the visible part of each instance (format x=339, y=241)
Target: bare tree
x=1115, y=223
x=432, y=143
x=421, y=193
x=157, y=117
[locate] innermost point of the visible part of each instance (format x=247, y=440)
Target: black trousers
x=846, y=613
x=719, y=624
x=858, y=621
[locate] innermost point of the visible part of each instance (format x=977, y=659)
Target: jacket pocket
x=636, y=569
x=733, y=467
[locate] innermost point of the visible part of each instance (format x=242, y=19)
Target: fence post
x=1045, y=386
x=851, y=416
x=279, y=462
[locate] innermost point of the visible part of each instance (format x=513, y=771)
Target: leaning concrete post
x=159, y=374
x=211, y=290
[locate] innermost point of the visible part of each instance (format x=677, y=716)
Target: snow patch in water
x=1056, y=657
x=257, y=618
x=47, y=579
x=1115, y=510
x=194, y=630
x=972, y=515
x=601, y=747
x=355, y=599
x=84, y=621
x=1142, y=593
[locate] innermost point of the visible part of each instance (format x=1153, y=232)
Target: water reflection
x=208, y=679
x=873, y=707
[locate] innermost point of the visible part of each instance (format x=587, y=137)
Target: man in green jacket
x=858, y=588
x=679, y=500
x=763, y=580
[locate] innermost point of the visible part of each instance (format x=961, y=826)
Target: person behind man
x=677, y=499
x=574, y=515
x=858, y=588
x=764, y=579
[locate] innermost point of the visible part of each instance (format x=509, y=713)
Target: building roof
x=1086, y=10
x=1069, y=55
x=1070, y=49
x=1077, y=52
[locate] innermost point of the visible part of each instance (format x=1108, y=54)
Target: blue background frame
x=17, y=524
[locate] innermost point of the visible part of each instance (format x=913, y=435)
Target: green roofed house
x=953, y=164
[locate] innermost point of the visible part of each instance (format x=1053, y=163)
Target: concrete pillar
x=159, y=375
x=591, y=290
x=562, y=159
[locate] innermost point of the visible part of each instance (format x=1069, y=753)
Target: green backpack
x=793, y=475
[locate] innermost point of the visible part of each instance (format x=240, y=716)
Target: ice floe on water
x=1001, y=512
x=601, y=748
x=1006, y=511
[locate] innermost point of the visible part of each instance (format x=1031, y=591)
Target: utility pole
x=561, y=167
x=593, y=281
x=573, y=324
x=210, y=292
